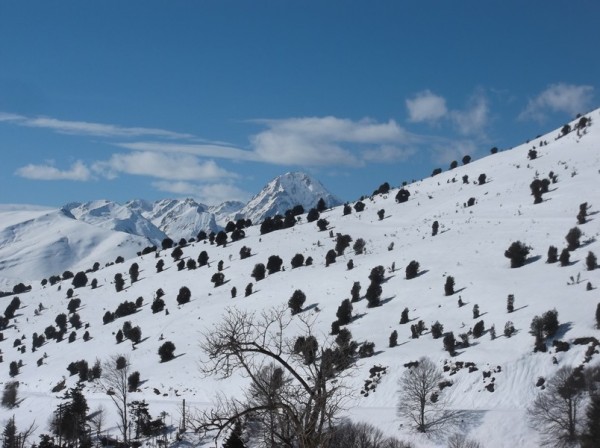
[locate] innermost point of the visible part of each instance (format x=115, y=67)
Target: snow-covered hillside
x=469, y=246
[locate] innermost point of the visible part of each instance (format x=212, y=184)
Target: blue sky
x=212, y=99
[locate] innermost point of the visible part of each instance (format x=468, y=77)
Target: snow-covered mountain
x=113, y=216
x=478, y=219
x=38, y=242
x=283, y=193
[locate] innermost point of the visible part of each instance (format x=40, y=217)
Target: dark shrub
x=259, y=271
x=494, y=150
x=475, y=311
x=335, y=327
x=373, y=294
x=296, y=301
x=166, y=351
x=465, y=179
x=344, y=312
x=536, y=190
x=359, y=206
x=394, y=339
x=133, y=381
x=297, y=261
x=517, y=253
x=466, y=159
x=509, y=329
x=355, y=292
x=221, y=239
x=449, y=343
x=402, y=195
x=134, y=272
x=218, y=279
x=233, y=292
x=274, y=264
x=532, y=154
x=404, y=316
x=478, y=329
x=80, y=280
x=341, y=243
x=552, y=255
x=73, y=305
x=157, y=305
x=180, y=265
x=481, y=179
x=119, y=282
x=582, y=215
x=121, y=362
x=190, y=264
x=359, y=246
x=308, y=261
x=330, y=257
x=248, y=290
x=108, y=317
x=245, y=252
x=135, y=335
x=436, y=171
x=177, y=253
x=321, y=206
x=366, y=349
x=67, y=275
x=590, y=261
x=347, y=210
x=160, y=264
x=437, y=330
x=167, y=243
x=381, y=214
x=13, y=369
x=125, y=309
x=184, y=295
x=312, y=215
x=550, y=323
x=565, y=257
x=453, y=164
x=202, y=259
x=573, y=238
x=350, y=264
x=412, y=270
x=322, y=224
x=377, y=275
x=434, y=228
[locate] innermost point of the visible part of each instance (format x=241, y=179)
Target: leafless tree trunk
x=295, y=401
x=114, y=382
x=555, y=411
x=421, y=400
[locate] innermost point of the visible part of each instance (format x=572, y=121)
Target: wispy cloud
x=561, y=97
x=78, y=172
x=161, y=166
x=200, y=150
x=474, y=118
x=426, y=107
x=89, y=128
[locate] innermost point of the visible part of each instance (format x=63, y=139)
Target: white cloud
x=474, y=118
x=200, y=150
x=89, y=128
x=78, y=172
x=322, y=141
x=567, y=98
x=426, y=106
x=162, y=166
x=210, y=194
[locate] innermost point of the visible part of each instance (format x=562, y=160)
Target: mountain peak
x=286, y=191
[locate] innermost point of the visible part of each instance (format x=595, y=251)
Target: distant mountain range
x=81, y=231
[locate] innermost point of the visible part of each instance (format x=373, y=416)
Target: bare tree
x=113, y=381
x=420, y=398
x=294, y=398
x=362, y=435
x=555, y=411
x=97, y=419
x=459, y=440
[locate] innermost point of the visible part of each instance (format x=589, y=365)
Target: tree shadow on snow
x=358, y=316
x=420, y=273
x=562, y=330
x=384, y=301
x=312, y=306
x=533, y=259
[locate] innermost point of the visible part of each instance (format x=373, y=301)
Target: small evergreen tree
x=218, y=279
x=184, y=295
x=381, y=214
x=221, y=238
x=565, y=257
x=449, y=343
x=552, y=255
x=157, y=305
x=478, y=329
x=297, y=261
x=475, y=311
x=233, y=292
x=404, y=316
x=330, y=257
x=80, y=280
x=355, y=291
x=274, y=264
x=312, y=215
x=359, y=206
x=248, y=290
x=493, y=332
x=177, y=253
x=573, y=238
x=412, y=270
x=509, y=329
x=191, y=264
x=166, y=351
x=590, y=261
x=133, y=381
x=347, y=210
x=437, y=330
x=119, y=282
x=359, y=246
x=202, y=258
x=321, y=206
x=160, y=264
x=296, y=301
x=134, y=272
x=259, y=272
x=481, y=179
x=517, y=253
x=449, y=286
x=510, y=303
x=322, y=224
x=434, y=228
x=344, y=312
x=342, y=242
x=373, y=294
x=394, y=339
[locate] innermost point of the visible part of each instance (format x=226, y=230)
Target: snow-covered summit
x=283, y=193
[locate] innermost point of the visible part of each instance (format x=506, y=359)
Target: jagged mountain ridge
x=149, y=223
x=470, y=246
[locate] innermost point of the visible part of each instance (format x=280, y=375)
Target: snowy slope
x=36, y=243
x=470, y=246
